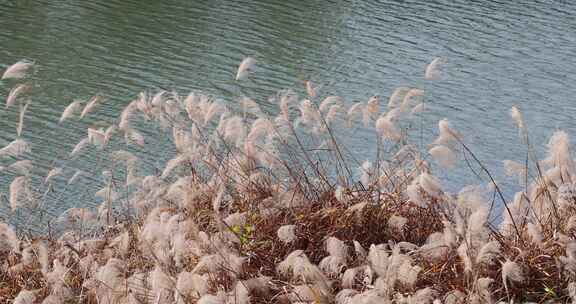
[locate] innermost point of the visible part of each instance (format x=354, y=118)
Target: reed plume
x=18, y=192
x=91, y=105
x=15, y=93
x=18, y=70
x=70, y=110
x=21, y=119
x=433, y=69
x=249, y=206
x=245, y=68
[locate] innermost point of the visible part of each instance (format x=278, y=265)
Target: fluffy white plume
x=386, y=126
x=443, y=155
x=418, y=108
x=483, y=286
x=559, y=154
x=52, y=173
x=535, y=233
x=366, y=173
x=81, y=215
x=311, y=89
x=287, y=233
x=349, y=276
x=488, y=253
x=329, y=102
x=21, y=167
x=517, y=117
x=133, y=136
x=354, y=112
x=408, y=274
x=25, y=297
x=397, y=96
x=190, y=285
x=80, y=146
x=91, y=105
x=430, y=184
x=18, y=70
x=447, y=134
x=378, y=258
x=397, y=223
x=126, y=115
x=413, y=193
x=371, y=109
x=16, y=92
x=333, y=114
x=160, y=282
x=413, y=94
x=511, y=272
x=512, y=168
x=518, y=211
x=158, y=99
x=8, y=239
x=298, y=263
x=423, y=296
x=110, y=131
x=260, y=127
x=309, y=115
x=232, y=129
x=309, y=293
x=346, y=296
x=97, y=137
x=109, y=282
x=246, y=67
x=18, y=191
x=337, y=248
x=220, y=298
x=249, y=106
x=173, y=164
x=433, y=70
x=572, y=291
x=360, y=251
x=70, y=110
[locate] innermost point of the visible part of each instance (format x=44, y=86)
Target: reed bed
x=256, y=207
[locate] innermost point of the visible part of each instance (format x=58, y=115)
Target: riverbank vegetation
x=258, y=207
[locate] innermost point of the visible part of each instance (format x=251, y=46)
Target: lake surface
x=499, y=53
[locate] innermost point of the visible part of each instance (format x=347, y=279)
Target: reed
x=262, y=208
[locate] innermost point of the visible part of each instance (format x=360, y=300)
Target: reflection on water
x=500, y=53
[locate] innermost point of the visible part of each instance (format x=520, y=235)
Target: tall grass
x=257, y=208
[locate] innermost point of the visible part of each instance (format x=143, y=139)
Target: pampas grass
x=91, y=105
x=18, y=191
x=246, y=67
x=21, y=119
x=15, y=93
x=83, y=143
x=511, y=272
x=447, y=134
x=52, y=173
x=443, y=155
x=21, y=167
x=15, y=148
x=517, y=117
x=18, y=70
x=70, y=110
x=433, y=70
x=287, y=233
x=254, y=207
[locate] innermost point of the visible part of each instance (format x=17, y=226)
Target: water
x=500, y=53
